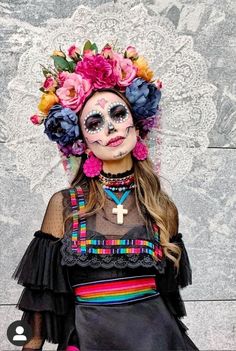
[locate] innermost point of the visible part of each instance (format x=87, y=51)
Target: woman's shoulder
x=59, y=209
x=55, y=213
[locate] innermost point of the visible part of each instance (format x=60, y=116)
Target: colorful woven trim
x=81, y=244
x=76, y=222
x=116, y=290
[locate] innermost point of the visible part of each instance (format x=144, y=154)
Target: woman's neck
x=118, y=166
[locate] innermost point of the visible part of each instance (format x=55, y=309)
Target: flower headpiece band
x=76, y=76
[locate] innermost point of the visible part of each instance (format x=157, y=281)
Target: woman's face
x=107, y=126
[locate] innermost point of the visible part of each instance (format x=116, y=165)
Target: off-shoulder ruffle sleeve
x=171, y=282
x=46, y=289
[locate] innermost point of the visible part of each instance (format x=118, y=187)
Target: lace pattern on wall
x=188, y=111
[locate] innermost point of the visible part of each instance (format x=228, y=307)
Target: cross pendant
x=120, y=212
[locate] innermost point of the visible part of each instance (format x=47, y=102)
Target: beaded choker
x=117, y=182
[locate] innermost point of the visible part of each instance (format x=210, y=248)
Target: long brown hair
x=153, y=203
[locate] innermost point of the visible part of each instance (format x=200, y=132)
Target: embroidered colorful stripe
x=116, y=290
x=81, y=244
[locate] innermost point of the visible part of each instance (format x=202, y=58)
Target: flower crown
x=75, y=76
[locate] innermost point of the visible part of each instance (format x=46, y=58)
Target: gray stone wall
x=205, y=198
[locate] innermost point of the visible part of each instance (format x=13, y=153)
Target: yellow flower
x=58, y=53
x=47, y=101
x=143, y=69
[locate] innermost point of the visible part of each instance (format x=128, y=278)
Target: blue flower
x=144, y=98
x=61, y=125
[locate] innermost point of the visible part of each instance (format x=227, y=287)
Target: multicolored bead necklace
x=117, y=182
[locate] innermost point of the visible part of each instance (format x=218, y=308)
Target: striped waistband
x=117, y=290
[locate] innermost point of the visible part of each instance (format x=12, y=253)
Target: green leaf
x=87, y=46
x=61, y=64
x=42, y=89
x=94, y=48
x=45, y=70
x=72, y=65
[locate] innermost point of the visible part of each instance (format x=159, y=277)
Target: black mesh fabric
x=47, y=299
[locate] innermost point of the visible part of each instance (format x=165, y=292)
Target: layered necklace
x=120, y=182
x=117, y=182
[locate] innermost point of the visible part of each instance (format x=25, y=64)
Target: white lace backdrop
x=188, y=111
x=189, y=44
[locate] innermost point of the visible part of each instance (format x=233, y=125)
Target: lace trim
x=70, y=258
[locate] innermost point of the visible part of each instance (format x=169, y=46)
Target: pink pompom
x=72, y=348
x=92, y=166
x=140, y=151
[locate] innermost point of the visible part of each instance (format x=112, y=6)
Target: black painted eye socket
x=118, y=113
x=94, y=122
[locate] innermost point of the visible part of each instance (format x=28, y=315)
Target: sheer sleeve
x=170, y=283
x=53, y=218
x=47, y=298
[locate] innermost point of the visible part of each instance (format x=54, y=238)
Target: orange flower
x=58, y=53
x=47, y=101
x=143, y=69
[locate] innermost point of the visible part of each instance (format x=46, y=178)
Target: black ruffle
x=171, y=282
x=40, y=267
x=55, y=329
x=184, y=276
x=47, y=288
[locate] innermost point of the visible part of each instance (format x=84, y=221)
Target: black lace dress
x=50, y=269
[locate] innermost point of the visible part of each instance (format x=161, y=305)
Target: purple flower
x=61, y=125
x=75, y=149
x=148, y=123
x=144, y=98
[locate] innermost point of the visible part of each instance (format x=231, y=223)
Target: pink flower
x=73, y=52
x=74, y=91
x=49, y=84
x=107, y=51
x=62, y=77
x=159, y=84
x=131, y=52
x=89, y=52
x=78, y=148
x=127, y=71
x=36, y=119
x=102, y=72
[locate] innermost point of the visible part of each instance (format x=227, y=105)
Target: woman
x=104, y=270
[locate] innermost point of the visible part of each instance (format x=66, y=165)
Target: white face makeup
x=96, y=121
x=107, y=126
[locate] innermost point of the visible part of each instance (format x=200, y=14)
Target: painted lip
x=115, y=141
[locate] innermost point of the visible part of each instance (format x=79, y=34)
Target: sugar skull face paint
x=102, y=102
x=109, y=132
x=95, y=121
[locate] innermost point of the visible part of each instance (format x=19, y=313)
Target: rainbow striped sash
x=117, y=290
